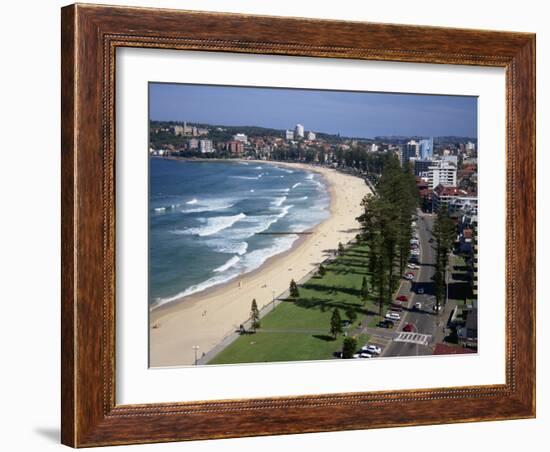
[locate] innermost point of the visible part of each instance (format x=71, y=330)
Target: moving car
x=409, y=327
x=437, y=308
x=417, y=306
x=393, y=315
x=372, y=349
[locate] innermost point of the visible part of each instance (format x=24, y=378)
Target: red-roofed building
x=443, y=197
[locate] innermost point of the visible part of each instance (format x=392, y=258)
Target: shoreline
x=208, y=316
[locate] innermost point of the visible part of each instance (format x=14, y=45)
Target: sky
x=352, y=114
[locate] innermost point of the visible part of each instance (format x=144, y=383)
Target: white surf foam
x=278, y=202
x=214, y=225
x=246, y=177
x=211, y=205
x=228, y=246
x=230, y=263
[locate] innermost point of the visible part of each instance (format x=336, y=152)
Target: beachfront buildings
x=443, y=173
x=299, y=131
x=235, y=147
x=205, y=146
x=289, y=135
x=311, y=136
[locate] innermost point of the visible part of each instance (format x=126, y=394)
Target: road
x=424, y=320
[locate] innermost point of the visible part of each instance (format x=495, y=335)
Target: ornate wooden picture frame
x=90, y=37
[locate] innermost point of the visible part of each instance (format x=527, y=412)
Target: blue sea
x=209, y=222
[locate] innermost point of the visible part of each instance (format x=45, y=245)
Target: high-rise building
x=289, y=135
x=299, y=130
x=426, y=148
x=235, y=147
x=441, y=173
x=409, y=151
x=311, y=136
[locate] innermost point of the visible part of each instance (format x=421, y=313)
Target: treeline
x=358, y=158
x=444, y=233
x=387, y=228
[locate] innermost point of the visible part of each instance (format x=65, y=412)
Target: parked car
x=365, y=355
x=409, y=327
x=417, y=306
x=409, y=275
x=402, y=298
x=372, y=349
x=420, y=290
x=357, y=355
x=393, y=315
x=385, y=324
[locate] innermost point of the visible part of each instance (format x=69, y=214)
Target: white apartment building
x=299, y=130
x=311, y=136
x=205, y=146
x=289, y=135
x=441, y=173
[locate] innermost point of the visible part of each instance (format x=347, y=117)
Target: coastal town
x=404, y=284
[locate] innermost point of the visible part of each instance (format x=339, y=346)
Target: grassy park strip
x=299, y=328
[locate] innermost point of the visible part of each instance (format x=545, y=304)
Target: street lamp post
x=196, y=349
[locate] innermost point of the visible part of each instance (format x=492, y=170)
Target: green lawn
x=299, y=329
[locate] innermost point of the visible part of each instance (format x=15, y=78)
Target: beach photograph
x=294, y=225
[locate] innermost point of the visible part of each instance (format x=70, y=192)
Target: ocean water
x=210, y=222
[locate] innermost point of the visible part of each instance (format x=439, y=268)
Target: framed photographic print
x=281, y=225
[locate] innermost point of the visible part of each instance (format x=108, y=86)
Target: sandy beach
x=205, y=318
